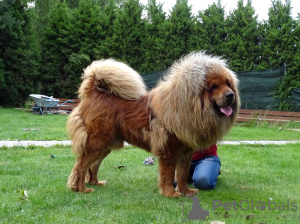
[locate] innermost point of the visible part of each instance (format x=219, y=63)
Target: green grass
x=53, y=127
x=271, y=132
x=50, y=127
x=131, y=194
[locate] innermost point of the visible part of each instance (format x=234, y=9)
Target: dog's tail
x=114, y=77
x=77, y=132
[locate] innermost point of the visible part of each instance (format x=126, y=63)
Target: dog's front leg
x=167, y=173
x=182, y=174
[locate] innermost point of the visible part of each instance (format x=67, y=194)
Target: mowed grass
x=249, y=172
x=33, y=185
x=13, y=122
x=53, y=127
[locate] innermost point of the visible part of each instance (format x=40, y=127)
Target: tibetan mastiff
x=192, y=107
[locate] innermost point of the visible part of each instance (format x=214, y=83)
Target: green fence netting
x=296, y=99
x=152, y=78
x=256, y=87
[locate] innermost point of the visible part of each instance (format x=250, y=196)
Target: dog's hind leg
x=91, y=176
x=77, y=176
x=182, y=174
x=76, y=180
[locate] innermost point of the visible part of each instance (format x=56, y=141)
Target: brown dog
x=192, y=107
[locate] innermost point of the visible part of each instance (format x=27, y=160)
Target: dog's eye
x=228, y=84
x=213, y=87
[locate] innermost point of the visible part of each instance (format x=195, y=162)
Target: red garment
x=210, y=151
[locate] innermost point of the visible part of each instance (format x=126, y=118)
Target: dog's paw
x=191, y=192
x=88, y=190
x=176, y=195
x=172, y=194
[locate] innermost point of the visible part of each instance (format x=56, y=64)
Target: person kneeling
x=205, y=168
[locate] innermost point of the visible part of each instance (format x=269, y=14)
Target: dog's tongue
x=226, y=110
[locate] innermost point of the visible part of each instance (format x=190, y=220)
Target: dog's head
x=221, y=88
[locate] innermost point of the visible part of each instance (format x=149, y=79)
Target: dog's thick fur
x=192, y=107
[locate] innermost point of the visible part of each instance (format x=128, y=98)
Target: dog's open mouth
x=223, y=110
x=226, y=110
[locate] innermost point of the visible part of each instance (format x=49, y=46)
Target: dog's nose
x=229, y=95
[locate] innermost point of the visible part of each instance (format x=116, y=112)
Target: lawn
x=52, y=127
x=258, y=184
x=15, y=125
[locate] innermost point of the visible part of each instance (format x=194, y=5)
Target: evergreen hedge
x=45, y=46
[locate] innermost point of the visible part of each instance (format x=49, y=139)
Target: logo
x=195, y=213
x=246, y=205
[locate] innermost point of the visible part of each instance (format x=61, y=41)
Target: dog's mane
x=179, y=102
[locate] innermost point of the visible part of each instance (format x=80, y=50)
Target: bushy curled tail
x=77, y=132
x=112, y=76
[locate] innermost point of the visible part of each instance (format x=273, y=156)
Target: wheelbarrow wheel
x=36, y=110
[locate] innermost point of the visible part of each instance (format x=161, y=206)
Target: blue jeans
x=204, y=172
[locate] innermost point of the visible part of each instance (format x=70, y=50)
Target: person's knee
x=203, y=182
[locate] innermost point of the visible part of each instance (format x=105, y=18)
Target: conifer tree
x=85, y=29
x=86, y=33
x=243, y=38
x=56, y=50
x=129, y=29
x=281, y=47
x=73, y=71
x=108, y=17
x=179, y=30
x=279, y=43
x=210, y=29
x=43, y=12
x=152, y=44
x=19, y=53
x=73, y=3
